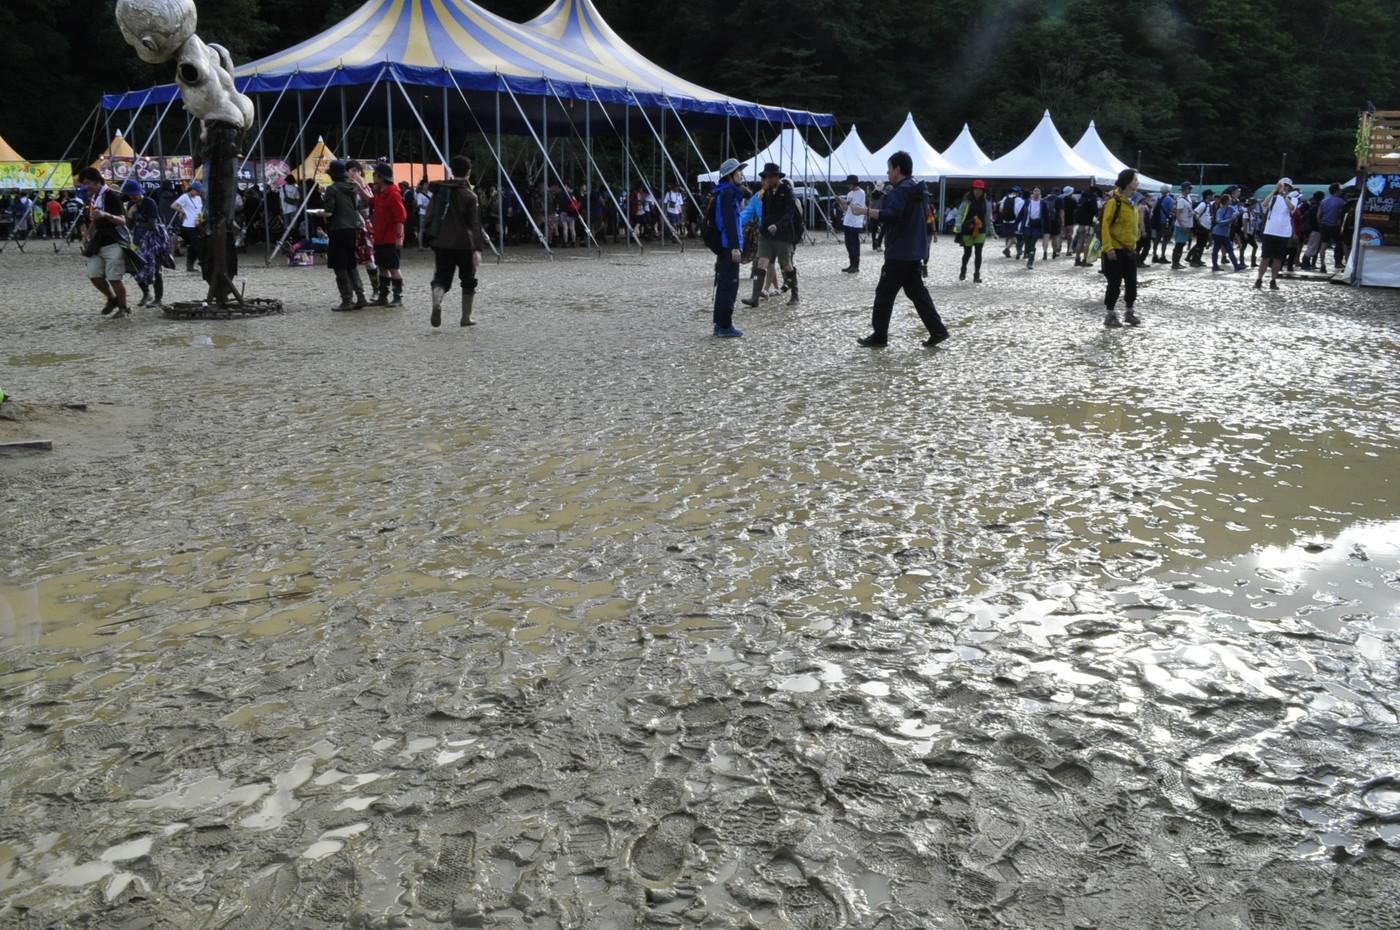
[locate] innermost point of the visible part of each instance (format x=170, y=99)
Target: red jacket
x=388, y=213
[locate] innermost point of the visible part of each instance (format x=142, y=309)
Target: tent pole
x=544, y=173
x=627, y=170
x=344, y=124
x=389, y=105
x=500, y=184
x=588, y=168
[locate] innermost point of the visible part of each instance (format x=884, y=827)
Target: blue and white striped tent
x=568, y=53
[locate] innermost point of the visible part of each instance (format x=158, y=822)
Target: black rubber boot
x=397, y=284
x=758, y=276
x=342, y=284
x=381, y=296
x=467, y=301
x=790, y=278
x=358, y=288
x=436, y=317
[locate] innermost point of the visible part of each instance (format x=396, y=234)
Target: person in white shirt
x=424, y=200
x=675, y=204
x=190, y=208
x=851, y=224
x=1278, y=232
x=1185, y=220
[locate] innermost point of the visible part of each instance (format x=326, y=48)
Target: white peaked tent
x=789, y=152
x=852, y=157
x=1044, y=155
x=965, y=151
x=928, y=164
x=1091, y=149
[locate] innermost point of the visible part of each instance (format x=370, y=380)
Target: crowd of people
x=365, y=217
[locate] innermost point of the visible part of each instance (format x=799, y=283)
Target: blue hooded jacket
x=728, y=203
x=903, y=215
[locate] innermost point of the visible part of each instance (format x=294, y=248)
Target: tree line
x=1262, y=87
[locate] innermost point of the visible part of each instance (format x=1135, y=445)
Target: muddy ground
x=582, y=618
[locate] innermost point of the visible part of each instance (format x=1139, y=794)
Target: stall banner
x=269, y=171
x=1380, y=211
x=36, y=175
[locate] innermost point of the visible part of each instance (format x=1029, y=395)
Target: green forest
x=1258, y=86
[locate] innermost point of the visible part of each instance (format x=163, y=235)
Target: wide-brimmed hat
x=979, y=185
x=1165, y=189
x=851, y=179
x=771, y=170
x=1286, y=182
x=131, y=187
x=1067, y=191
x=729, y=166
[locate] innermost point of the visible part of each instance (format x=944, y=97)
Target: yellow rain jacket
x=1120, y=223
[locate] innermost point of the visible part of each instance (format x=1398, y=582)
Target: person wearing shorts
x=777, y=233
x=105, y=264
x=1278, y=233
x=389, y=218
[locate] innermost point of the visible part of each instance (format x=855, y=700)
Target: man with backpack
x=778, y=232
x=1010, y=218
x=724, y=235
x=1162, y=216
x=455, y=233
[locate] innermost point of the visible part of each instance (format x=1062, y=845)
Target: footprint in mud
x=1027, y=750
x=587, y=843
x=659, y=856
x=452, y=873
x=811, y=907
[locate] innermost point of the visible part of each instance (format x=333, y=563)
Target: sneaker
x=1239, y=267
x=872, y=341
x=727, y=332
x=1131, y=318
x=145, y=299
x=109, y=306
x=1111, y=319
x=936, y=338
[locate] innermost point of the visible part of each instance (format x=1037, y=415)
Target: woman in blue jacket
x=1220, y=232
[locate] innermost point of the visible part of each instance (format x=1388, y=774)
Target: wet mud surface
x=581, y=618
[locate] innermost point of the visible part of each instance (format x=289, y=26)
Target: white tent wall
x=1045, y=156
x=851, y=157
x=1091, y=148
x=929, y=165
x=965, y=151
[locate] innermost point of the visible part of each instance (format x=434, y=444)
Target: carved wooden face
x=156, y=28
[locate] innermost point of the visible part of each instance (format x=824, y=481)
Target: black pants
x=448, y=261
x=968, y=252
x=877, y=236
x=1198, y=246
x=191, y=236
x=905, y=275
x=1121, y=271
x=726, y=289
x=853, y=244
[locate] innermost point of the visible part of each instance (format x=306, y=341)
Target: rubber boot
x=381, y=294
x=342, y=284
x=467, y=301
x=790, y=277
x=373, y=272
x=358, y=288
x=397, y=285
x=436, y=318
x=758, y=277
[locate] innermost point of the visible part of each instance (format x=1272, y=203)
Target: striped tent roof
x=568, y=52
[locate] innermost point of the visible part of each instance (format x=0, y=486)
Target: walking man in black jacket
x=902, y=214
